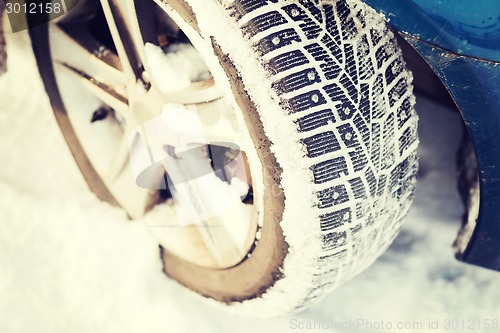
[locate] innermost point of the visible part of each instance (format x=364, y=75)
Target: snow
x=69, y=263
x=180, y=64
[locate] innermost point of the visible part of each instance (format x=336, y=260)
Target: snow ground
x=69, y=263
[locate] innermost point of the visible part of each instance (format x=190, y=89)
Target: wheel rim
x=124, y=95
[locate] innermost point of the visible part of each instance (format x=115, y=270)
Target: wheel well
x=428, y=84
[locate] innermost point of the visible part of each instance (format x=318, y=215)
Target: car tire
x=328, y=102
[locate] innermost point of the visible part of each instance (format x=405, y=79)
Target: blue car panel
x=460, y=40
x=470, y=28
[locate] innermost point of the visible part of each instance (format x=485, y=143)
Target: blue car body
x=460, y=40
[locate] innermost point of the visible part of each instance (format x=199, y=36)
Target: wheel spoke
x=197, y=92
x=132, y=198
x=99, y=75
x=201, y=242
x=102, y=91
x=223, y=221
x=226, y=243
x=86, y=55
x=121, y=158
x=126, y=35
x=220, y=123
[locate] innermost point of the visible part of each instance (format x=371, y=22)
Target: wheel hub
x=164, y=133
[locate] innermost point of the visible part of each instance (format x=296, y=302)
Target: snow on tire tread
x=342, y=82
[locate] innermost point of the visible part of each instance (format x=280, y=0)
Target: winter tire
x=322, y=92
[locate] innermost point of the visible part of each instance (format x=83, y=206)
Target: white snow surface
x=180, y=65
x=70, y=263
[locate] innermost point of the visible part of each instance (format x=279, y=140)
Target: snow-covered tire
x=332, y=105
x=324, y=92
